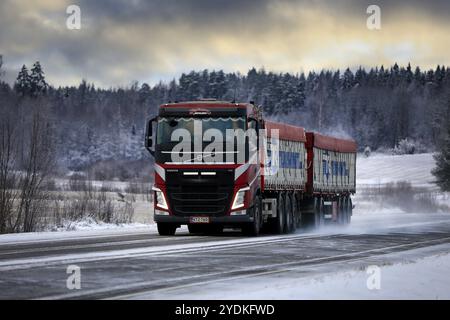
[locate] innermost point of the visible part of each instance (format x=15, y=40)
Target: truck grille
x=199, y=194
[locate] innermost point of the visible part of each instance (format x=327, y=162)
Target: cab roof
x=209, y=104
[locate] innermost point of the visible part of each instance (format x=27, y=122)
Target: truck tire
x=280, y=220
x=342, y=211
x=253, y=229
x=290, y=222
x=297, y=213
x=166, y=229
x=318, y=213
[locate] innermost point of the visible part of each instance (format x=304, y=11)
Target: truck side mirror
x=150, y=137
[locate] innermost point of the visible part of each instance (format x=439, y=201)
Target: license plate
x=199, y=220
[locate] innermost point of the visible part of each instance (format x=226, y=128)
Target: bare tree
x=38, y=166
x=8, y=152
x=23, y=199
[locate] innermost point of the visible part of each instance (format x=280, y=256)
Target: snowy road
x=140, y=264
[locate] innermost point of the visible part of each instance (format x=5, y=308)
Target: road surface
x=140, y=264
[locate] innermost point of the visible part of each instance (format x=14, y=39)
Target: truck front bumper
x=224, y=220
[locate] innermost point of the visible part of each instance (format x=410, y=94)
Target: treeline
x=97, y=128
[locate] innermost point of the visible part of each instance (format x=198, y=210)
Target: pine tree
x=442, y=170
x=348, y=79
x=144, y=93
x=38, y=84
x=23, y=82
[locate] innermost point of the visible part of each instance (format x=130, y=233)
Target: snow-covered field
x=380, y=169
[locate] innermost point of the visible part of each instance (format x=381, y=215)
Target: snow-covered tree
x=23, y=82
x=37, y=80
x=442, y=170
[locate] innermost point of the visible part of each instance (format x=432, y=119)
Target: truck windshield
x=171, y=128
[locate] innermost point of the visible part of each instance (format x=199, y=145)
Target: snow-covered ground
x=381, y=168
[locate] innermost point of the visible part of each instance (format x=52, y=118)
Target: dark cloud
x=198, y=11
x=121, y=41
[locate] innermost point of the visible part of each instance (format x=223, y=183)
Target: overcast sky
x=121, y=41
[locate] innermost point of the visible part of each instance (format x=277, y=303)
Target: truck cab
x=207, y=166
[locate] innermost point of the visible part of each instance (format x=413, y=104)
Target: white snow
x=91, y=224
x=380, y=169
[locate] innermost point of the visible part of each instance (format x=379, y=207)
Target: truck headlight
x=160, y=199
x=239, y=198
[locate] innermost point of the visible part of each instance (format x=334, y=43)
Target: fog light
x=239, y=213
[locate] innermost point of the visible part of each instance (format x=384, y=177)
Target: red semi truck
x=270, y=175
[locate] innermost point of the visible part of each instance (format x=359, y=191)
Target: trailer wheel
x=289, y=209
x=342, y=215
x=253, y=228
x=318, y=213
x=280, y=221
x=166, y=229
x=349, y=211
x=297, y=213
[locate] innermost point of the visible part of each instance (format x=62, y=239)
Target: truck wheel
x=297, y=213
x=280, y=221
x=253, y=228
x=290, y=223
x=318, y=213
x=342, y=211
x=166, y=229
